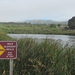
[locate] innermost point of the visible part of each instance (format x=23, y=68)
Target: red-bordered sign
x=8, y=49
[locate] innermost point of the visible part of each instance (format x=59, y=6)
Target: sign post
x=11, y=66
x=8, y=50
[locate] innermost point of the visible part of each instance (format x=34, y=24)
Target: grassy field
x=45, y=58
x=4, y=36
x=35, y=29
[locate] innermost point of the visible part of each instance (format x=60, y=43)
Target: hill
x=46, y=22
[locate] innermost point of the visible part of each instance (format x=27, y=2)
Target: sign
x=8, y=49
x=2, y=50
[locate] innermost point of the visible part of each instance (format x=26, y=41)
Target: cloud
x=20, y=10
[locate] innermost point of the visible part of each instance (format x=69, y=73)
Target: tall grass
x=45, y=58
x=4, y=37
x=4, y=64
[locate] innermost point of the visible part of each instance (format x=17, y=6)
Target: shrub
x=53, y=25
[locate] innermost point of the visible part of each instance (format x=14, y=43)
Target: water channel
x=64, y=38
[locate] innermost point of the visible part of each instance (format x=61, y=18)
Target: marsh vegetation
x=45, y=58
x=21, y=28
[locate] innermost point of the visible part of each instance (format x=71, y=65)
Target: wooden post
x=11, y=66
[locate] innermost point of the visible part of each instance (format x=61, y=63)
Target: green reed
x=46, y=58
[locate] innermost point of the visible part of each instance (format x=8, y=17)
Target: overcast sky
x=21, y=10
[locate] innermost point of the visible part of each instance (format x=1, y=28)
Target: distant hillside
x=46, y=22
